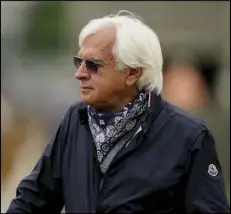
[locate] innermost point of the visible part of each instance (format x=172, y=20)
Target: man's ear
x=133, y=75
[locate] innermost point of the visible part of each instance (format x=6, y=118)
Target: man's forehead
x=95, y=52
x=100, y=43
x=87, y=53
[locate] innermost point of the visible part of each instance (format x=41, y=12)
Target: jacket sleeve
x=205, y=191
x=41, y=191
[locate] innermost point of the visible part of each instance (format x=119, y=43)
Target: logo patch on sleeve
x=212, y=170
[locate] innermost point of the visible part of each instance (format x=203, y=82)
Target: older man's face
x=100, y=89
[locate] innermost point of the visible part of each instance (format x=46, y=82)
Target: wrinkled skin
x=107, y=90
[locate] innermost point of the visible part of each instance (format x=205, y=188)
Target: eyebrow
x=91, y=57
x=97, y=60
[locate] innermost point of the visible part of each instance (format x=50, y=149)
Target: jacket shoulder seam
x=203, y=128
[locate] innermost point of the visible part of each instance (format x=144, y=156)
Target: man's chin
x=87, y=99
x=91, y=102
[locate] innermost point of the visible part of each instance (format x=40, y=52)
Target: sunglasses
x=91, y=66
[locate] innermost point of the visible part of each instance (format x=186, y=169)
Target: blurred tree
x=45, y=31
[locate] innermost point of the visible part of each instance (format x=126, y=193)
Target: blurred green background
x=39, y=39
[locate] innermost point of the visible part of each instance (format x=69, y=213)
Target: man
x=124, y=148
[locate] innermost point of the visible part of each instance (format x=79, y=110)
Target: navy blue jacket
x=166, y=168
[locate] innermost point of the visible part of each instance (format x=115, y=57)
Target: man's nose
x=82, y=73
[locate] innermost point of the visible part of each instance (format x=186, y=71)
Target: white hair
x=136, y=46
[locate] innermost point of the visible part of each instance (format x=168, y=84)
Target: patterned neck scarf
x=111, y=131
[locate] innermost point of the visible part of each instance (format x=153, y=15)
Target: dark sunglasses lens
x=91, y=66
x=77, y=62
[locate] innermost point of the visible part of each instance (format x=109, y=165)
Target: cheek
x=118, y=80
x=110, y=83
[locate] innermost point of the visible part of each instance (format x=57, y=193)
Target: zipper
x=104, y=177
x=113, y=162
x=119, y=153
x=109, y=166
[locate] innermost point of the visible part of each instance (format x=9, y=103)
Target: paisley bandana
x=111, y=131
